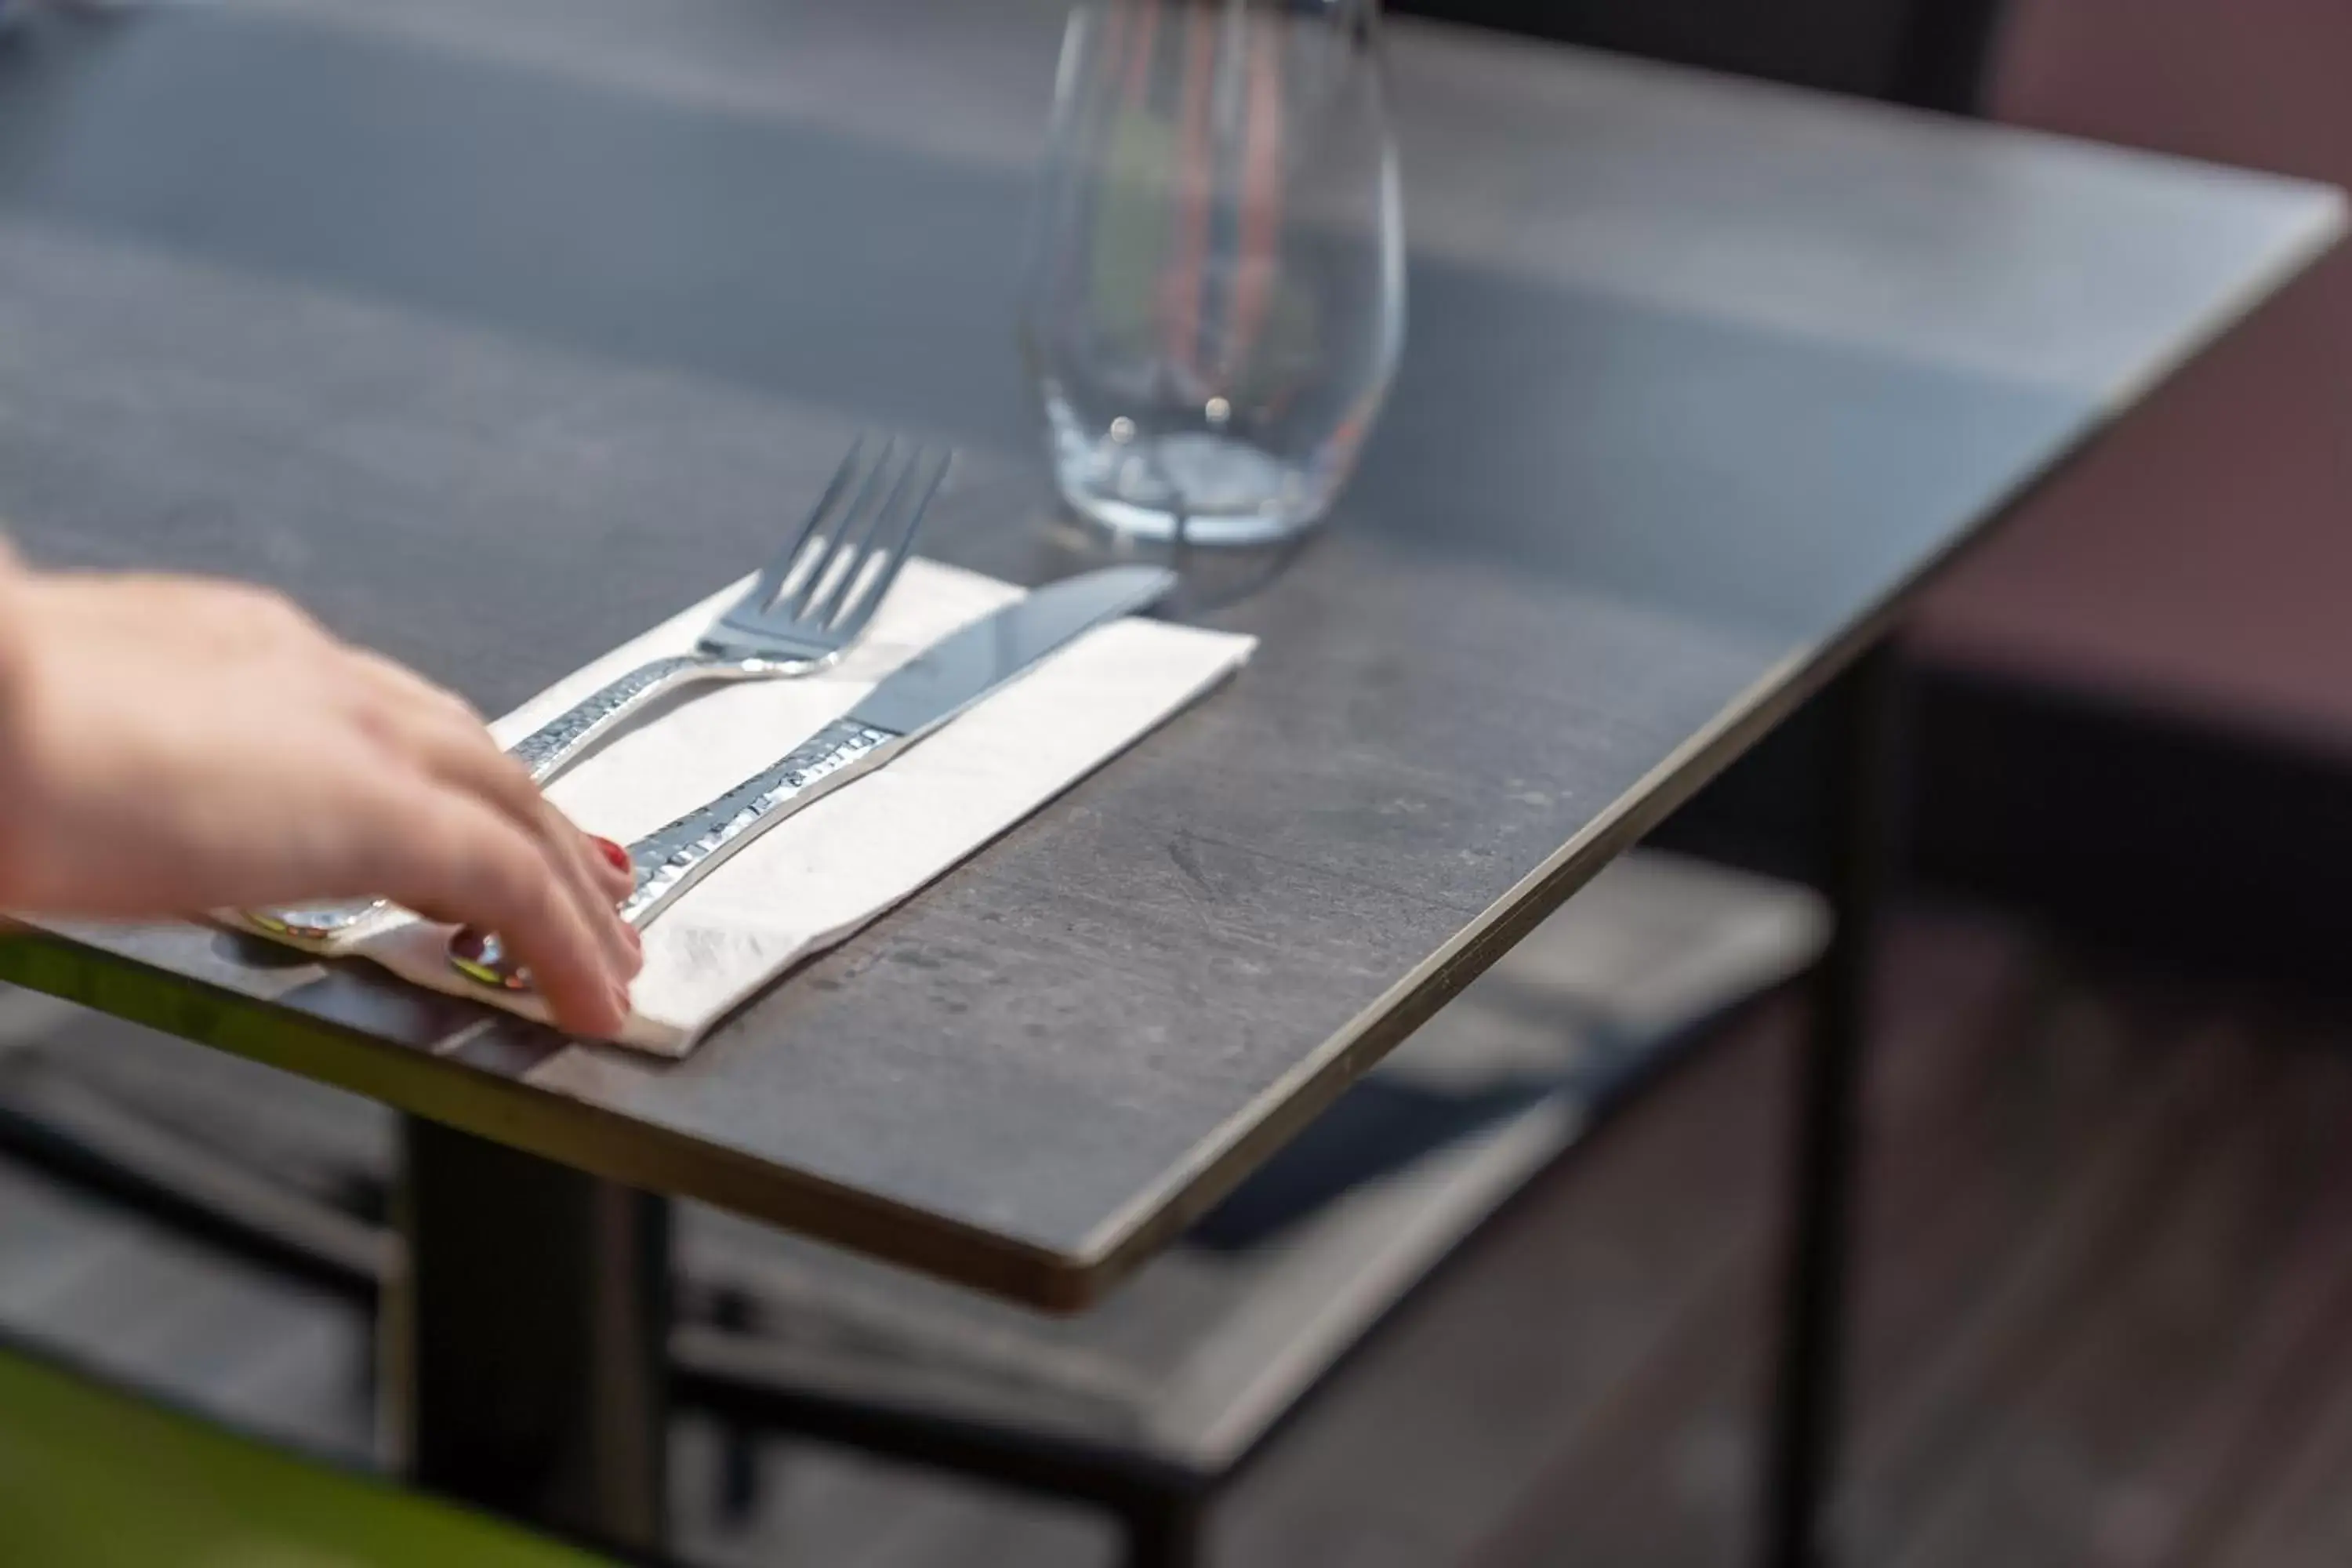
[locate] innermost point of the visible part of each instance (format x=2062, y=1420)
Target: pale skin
x=170, y=745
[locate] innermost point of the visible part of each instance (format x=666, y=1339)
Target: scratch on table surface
x=1181, y=850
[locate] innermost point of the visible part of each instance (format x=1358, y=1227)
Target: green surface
x=91, y=1479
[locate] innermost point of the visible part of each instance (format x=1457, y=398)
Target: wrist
x=15, y=764
x=15, y=654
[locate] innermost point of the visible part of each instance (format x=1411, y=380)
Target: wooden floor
x=2106, y=1318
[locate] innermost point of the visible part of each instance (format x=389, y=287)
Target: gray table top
x=496, y=330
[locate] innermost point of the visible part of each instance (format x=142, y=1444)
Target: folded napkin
x=818, y=877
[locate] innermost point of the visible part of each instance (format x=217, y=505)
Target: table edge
x=1150, y=1221
x=590, y=1137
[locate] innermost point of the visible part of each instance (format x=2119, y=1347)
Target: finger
x=457, y=753
x=613, y=865
x=604, y=862
x=467, y=863
x=398, y=680
x=447, y=736
x=589, y=878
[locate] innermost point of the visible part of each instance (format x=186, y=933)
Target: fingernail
x=636, y=943
x=614, y=853
x=620, y=1002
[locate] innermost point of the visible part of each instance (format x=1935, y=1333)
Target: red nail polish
x=614, y=853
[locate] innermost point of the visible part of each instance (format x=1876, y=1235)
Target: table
x=496, y=329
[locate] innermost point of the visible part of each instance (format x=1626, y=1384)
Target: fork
x=810, y=602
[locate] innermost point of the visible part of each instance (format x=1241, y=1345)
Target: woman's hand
x=170, y=745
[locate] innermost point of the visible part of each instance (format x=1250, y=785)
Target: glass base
x=1201, y=487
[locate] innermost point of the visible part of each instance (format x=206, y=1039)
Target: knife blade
x=915, y=701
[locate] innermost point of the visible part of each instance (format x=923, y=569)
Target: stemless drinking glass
x=1214, y=296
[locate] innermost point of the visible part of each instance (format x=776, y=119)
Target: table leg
x=1858, y=800
x=1166, y=1531
x=532, y=1336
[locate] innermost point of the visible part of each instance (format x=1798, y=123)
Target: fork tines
x=829, y=578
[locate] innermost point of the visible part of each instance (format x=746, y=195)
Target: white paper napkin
x=817, y=878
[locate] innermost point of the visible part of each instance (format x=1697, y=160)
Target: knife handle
x=673, y=859
x=668, y=862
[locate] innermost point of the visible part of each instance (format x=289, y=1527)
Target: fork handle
x=546, y=750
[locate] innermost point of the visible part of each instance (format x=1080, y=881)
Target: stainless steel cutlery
x=811, y=603
x=923, y=695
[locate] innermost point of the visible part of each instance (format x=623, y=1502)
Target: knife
x=922, y=695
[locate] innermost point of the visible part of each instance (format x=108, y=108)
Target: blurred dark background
x=1929, y=52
